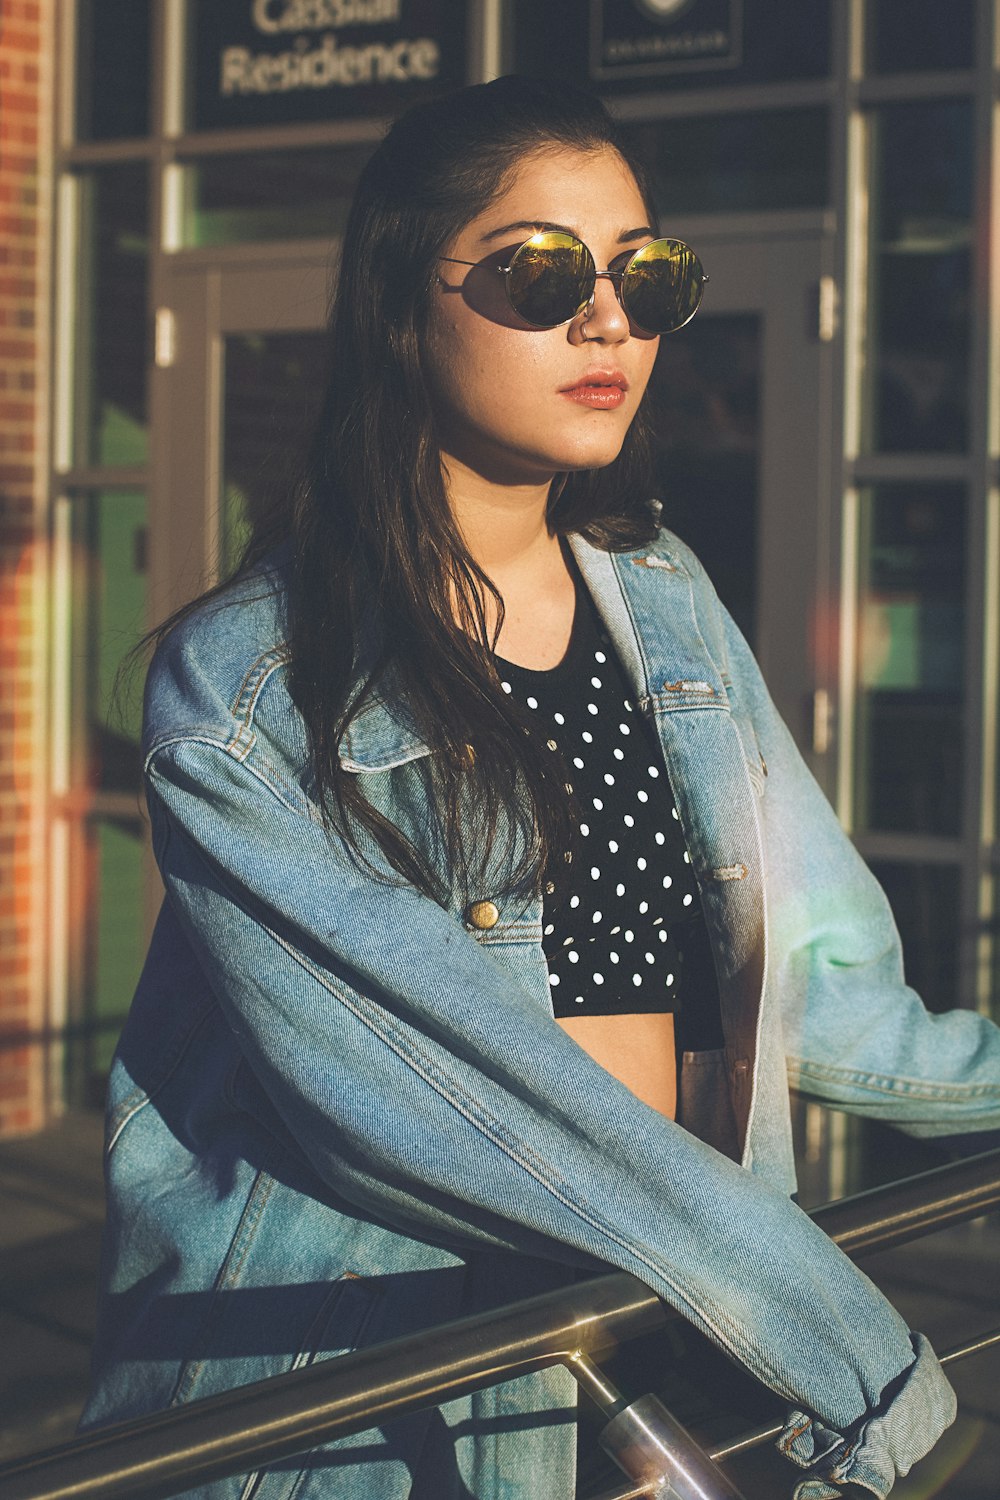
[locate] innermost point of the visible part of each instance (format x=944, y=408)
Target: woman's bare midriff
x=637, y=1050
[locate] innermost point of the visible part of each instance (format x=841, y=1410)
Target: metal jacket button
x=483, y=915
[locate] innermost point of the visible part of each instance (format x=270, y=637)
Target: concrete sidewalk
x=50, y=1219
x=51, y=1209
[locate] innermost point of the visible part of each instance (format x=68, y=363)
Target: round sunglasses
x=552, y=276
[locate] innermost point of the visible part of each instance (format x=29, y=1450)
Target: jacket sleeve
x=428, y=1089
x=856, y=1036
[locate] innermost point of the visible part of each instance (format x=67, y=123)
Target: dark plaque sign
x=649, y=38
x=268, y=62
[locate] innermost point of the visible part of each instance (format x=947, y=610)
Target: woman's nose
x=603, y=320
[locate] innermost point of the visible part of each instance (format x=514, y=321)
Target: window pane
x=911, y=623
x=109, y=603
x=777, y=159
x=112, y=69
x=112, y=328
x=917, y=376
x=919, y=35
x=705, y=420
x=761, y=42
x=110, y=949
x=272, y=195
x=925, y=903
x=273, y=386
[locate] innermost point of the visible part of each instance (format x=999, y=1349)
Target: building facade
x=174, y=176
x=26, y=162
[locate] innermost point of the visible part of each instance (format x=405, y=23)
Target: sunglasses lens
x=662, y=286
x=551, y=277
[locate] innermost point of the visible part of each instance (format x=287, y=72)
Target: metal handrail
x=160, y=1455
x=758, y=1435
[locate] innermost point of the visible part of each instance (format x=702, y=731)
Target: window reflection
x=920, y=35
x=112, y=68
x=108, y=947
x=925, y=903
x=911, y=628
x=273, y=388
x=270, y=195
x=917, y=374
x=109, y=547
x=112, y=343
x=766, y=160
x=705, y=417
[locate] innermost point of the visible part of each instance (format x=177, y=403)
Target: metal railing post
x=648, y=1443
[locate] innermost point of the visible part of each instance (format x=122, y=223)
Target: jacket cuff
x=886, y=1443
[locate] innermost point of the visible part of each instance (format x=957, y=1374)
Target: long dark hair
x=385, y=596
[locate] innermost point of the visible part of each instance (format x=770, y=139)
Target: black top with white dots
x=623, y=929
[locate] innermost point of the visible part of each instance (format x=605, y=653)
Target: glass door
x=240, y=401
x=742, y=414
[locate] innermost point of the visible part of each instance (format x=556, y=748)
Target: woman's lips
x=603, y=390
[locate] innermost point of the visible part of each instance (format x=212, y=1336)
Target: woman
x=470, y=746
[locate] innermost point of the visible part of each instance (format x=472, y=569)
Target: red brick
x=22, y=39
x=18, y=286
x=17, y=411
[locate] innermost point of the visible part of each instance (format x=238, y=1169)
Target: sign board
x=270, y=62
x=653, y=38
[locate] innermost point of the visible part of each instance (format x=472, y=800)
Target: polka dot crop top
x=623, y=929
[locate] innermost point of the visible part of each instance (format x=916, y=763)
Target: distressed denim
x=338, y=1114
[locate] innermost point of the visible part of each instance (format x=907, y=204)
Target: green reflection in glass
x=112, y=349
x=911, y=624
x=118, y=934
x=270, y=195
x=916, y=381
x=766, y=160
x=273, y=387
x=109, y=604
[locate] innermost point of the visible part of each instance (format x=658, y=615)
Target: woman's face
x=518, y=404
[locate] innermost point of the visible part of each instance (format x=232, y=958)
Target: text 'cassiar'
x=327, y=66
x=314, y=15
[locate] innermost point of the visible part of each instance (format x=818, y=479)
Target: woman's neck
x=506, y=531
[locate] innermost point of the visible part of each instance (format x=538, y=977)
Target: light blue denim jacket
x=338, y=1113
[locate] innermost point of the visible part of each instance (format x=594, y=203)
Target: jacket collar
x=381, y=736
x=626, y=587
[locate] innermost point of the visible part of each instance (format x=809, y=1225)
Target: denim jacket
x=340, y=1113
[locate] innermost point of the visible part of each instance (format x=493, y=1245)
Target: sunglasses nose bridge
x=615, y=277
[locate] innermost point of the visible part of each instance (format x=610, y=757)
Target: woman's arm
x=856, y=1036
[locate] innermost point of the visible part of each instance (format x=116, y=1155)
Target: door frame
x=782, y=267
x=209, y=300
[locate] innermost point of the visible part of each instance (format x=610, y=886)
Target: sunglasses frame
x=617, y=278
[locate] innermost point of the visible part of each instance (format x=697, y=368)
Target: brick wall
x=26, y=53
